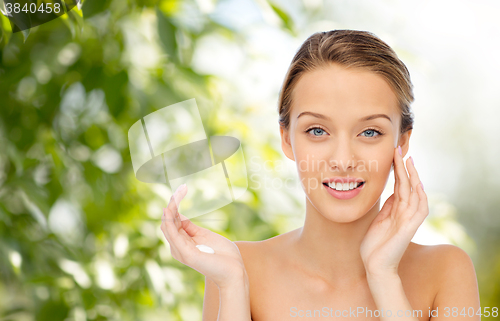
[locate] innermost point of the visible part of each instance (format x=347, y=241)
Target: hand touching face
x=395, y=225
x=343, y=123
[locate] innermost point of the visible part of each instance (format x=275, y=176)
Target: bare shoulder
x=251, y=250
x=454, y=275
x=448, y=267
x=257, y=254
x=440, y=260
x=253, y=254
x=439, y=256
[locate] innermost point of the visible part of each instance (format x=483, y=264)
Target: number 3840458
x=482, y=311
x=33, y=8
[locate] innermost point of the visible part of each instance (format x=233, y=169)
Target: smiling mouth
x=342, y=188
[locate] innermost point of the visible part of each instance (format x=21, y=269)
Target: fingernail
x=422, y=185
x=412, y=160
x=400, y=152
x=180, y=188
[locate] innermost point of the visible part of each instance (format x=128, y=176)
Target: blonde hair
x=350, y=49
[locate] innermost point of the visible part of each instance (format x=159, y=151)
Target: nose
x=342, y=156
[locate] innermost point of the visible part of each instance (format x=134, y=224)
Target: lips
x=346, y=190
x=343, y=180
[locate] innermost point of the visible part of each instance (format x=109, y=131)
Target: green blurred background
x=79, y=234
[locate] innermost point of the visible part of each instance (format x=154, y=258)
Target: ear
x=286, y=145
x=404, y=142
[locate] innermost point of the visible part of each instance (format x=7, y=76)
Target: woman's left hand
x=393, y=228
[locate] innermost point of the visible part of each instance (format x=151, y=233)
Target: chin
x=347, y=211
x=343, y=216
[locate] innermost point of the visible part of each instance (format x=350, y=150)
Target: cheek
x=311, y=158
x=380, y=161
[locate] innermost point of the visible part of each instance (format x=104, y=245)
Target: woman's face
x=336, y=131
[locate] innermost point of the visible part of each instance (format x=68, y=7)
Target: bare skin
x=278, y=282
x=350, y=254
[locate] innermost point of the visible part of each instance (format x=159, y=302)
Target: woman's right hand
x=224, y=267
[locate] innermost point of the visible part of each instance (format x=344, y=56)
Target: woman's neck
x=330, y=249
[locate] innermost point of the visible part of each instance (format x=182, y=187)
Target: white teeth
x=343, y=187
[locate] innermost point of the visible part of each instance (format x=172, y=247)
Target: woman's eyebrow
x=369, y=117
x=314, y=115
x=375, y=116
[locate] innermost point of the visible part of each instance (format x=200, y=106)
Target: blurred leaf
x=6, y=29
x=285, y=17
x=93, y=7
x=77, y=16
x=166, y=31
x=170, y=7
x=26, y=33
x=49, y=136
x=21, y=22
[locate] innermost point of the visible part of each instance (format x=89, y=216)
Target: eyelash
x=380, y=133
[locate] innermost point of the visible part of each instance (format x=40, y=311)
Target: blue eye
x=372, y=132
x=316, y=130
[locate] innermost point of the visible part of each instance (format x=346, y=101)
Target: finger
x=423, y=206
x=179, y=194
x=396, y=177
x=173, y=249
x=163, y=227
x=182, y=217
x=168, y=233
x=179, y=242
x=173, y=206
x=191, y=228
x=169, y=229
x=414, y=181
x=402, y=176
x=171, y=225
x=168, y=225
x=396, y=180
x=386, y=209
x=174, y=203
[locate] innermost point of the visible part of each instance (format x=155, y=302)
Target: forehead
x=343, y=94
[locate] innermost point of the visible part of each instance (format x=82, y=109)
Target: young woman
x=345, y=120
